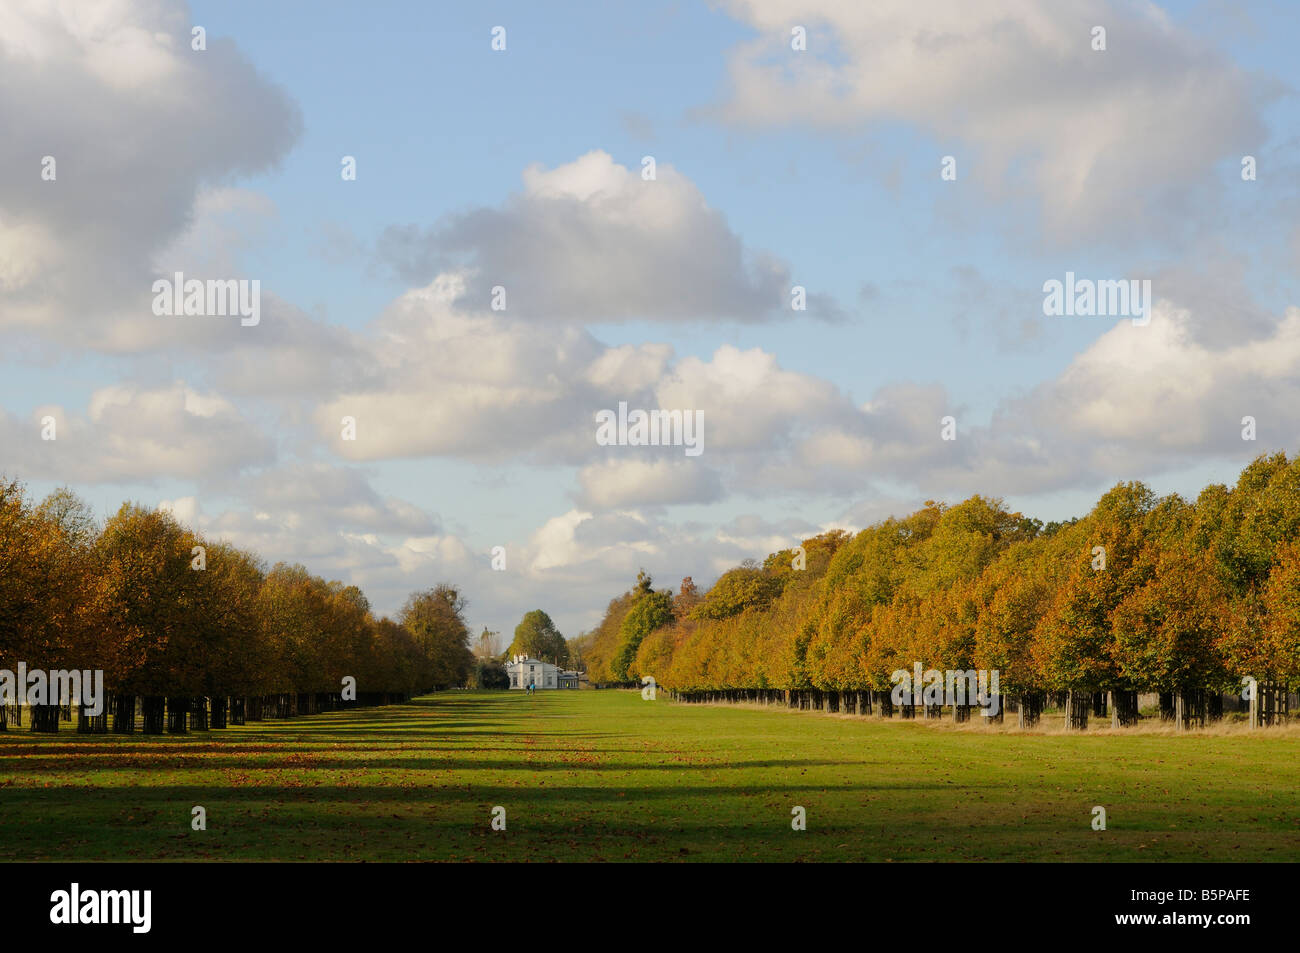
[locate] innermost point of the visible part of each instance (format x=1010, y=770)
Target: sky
x=652, y=187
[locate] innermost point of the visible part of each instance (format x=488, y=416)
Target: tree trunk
x=1167, y=712
x=199, y=714
x=1189, y=709
x=178, y=707
x=123, y=713
x=1030, y=706
x=1123, y=708
x=88, y=724
x=907, y=710
x=45, y=719
x=1214, y=706
x=1077, y=707
x=999, y=702
x=1275, y=703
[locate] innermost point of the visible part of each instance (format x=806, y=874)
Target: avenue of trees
x=1147, y=594
x=199, y=627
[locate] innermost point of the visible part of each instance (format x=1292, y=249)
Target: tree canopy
x=163, y=611
x=1142, y=593
x=537, y=636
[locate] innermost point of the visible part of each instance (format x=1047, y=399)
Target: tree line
x=1144, y=593
x=200, y=628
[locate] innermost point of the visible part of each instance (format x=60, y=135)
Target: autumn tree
x=649, y=611
x=436, y=619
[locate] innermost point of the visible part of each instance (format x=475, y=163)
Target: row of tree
x=165, y=612
x=1143, y=593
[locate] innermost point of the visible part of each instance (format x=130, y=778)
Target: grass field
x=607, y=776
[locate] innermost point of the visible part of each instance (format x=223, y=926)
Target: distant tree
x=577, y=649
x=166, y=613
x=1167, y=631
x=537, y=636
x=737, y=590
x=150, y=599
x=72, y=515
x=687, y=598
x=436, y=619
x=489, y=644
x=47, y=561
x=649, y=611
x=490, y=673
x=235, y=656
x=1280, y=657
x=294, y=609
x=601, y=645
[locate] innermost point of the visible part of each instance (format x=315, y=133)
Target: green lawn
x=607, y=776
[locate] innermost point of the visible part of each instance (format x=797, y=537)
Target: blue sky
x=927, y=294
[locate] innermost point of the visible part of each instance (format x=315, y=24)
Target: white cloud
x=632, y=482
x=592, y=240
x=325, y=494
x=1143, y=397
x=481, y=386
x=139, y=126
x=186, y=509
x=135, y=433
x=439, y=382
x=1101, y=138
x=570, y=564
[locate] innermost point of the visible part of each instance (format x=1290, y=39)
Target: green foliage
x=600, y=646
x=435, y=618
x=537, y=636
x=490, y=674
x=163, y=611
x=1193, y=595
x=738, y=590
x=648, y=612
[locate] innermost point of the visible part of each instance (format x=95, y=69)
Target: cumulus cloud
x=478, y=386
x=483, y=386
x=488, y=387
x=288, y=356
x=1102, y=139
x=647, y=482
x=757, y=536
x=186, y=509
x=578, y=552
x=338, y=496
x=1156, y=394
x=557, y=564
x=1138, y=401
x=593, y=240
x=138, y=125
x=135, y=433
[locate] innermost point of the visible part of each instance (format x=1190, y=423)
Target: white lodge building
x=524, y=670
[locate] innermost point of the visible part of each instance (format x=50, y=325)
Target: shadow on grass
x=312, y=760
